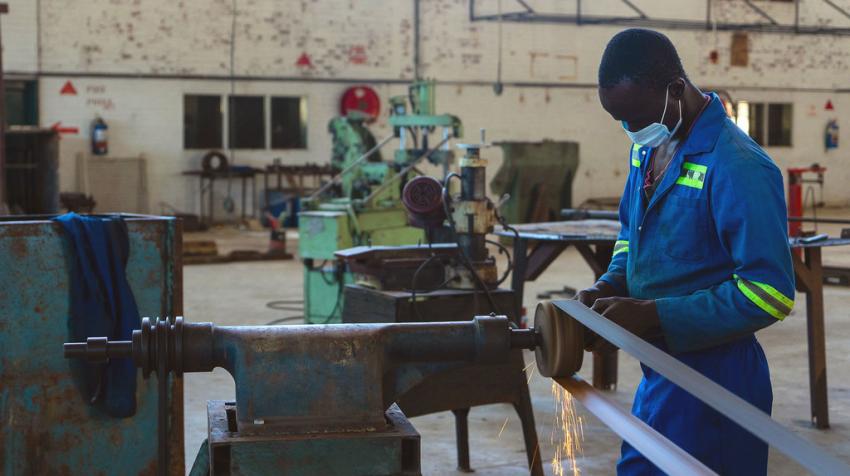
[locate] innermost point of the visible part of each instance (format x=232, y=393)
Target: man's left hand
x=638, y=316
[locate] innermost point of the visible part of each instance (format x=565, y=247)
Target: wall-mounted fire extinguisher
x=831, y=135
x=99, y=137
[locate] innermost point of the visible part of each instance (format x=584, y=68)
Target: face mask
x=655, y=134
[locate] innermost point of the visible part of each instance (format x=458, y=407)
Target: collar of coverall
x=706, y=129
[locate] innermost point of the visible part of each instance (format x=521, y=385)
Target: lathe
x=313, y=399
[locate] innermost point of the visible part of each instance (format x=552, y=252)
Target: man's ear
x=677, y=88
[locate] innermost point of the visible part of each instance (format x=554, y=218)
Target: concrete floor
x=237, y=293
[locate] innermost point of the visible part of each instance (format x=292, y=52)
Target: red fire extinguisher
x=99, y=138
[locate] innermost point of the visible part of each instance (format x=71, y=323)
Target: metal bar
x=582, y=214
x=543, y=255
x=416, y=40
x=635, y=8
x=518, y=274
x=836, y=7
x=405, y=170
x=777, y=28
x=816, y=333
x=653, y=445
x=837, y=221
x=349, y=168
x=796, y=15
x=707, y=14
x=761, y=12
x=578, y=12
x=462, y=437
x=732, y=406
x=4, y=8
x=526, y=6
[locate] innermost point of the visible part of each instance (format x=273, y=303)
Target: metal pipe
x=653, y=445
x=349, y=168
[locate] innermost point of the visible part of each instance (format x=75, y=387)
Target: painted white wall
x=125, y=57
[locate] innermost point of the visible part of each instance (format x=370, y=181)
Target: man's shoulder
x=736, y=152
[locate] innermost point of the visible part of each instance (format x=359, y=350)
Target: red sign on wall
x=68, y=89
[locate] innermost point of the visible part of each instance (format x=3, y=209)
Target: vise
x=312, y=399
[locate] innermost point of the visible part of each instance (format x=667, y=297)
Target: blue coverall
x=711, y=248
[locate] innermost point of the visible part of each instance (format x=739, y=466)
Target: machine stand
x=393, y=450
x=462, y=432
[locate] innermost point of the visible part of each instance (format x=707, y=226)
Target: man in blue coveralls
x=702, y=260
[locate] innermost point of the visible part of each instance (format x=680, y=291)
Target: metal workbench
x=594, y=240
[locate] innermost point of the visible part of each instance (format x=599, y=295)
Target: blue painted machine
x=46, y=427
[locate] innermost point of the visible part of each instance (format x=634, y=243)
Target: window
x=21, y=103
x=289, y=123
x=248, y=123
x=769, y=124
x=779, y=124
x=202, y=122
x=247, y=120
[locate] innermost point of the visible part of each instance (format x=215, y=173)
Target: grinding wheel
x=561, y=351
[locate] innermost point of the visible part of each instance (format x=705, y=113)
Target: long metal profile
x=656, y=447
x=733, y=407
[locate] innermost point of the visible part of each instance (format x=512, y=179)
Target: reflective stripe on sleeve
x=621, y=246
x=636, y=155
x=766, y=297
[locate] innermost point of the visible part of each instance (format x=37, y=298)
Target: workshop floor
x=237, y=293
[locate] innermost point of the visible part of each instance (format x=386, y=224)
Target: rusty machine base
x=390, y=451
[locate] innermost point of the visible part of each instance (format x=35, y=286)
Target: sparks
x=570, y=429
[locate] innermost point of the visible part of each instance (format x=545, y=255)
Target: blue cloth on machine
x=102, y=305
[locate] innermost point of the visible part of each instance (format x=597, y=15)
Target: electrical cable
x=510, y=267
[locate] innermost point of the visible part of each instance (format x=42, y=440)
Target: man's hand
x=598, y=291
x=640, y=317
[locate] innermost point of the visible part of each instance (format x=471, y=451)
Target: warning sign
x=68, y=89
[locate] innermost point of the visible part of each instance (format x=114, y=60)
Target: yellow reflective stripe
x=766, y=297
x=775, y=294
x=693, y=175
x=636, y=155
x=689, y=182
x=695, y=167
x=621, y=246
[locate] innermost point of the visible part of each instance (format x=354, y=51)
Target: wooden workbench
x=594, y=240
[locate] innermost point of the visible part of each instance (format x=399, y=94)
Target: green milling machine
x=362, y=205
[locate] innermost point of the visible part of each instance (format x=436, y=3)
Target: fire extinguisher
x=99, y=138
x=831, y=135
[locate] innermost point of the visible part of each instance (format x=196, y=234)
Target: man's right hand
x=598, y=291
x=588, y=297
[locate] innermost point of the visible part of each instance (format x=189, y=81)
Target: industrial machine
x=361, y=205
x=320, y=399
x=311, y=399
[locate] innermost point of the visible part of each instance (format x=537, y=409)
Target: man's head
x=638, y=69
